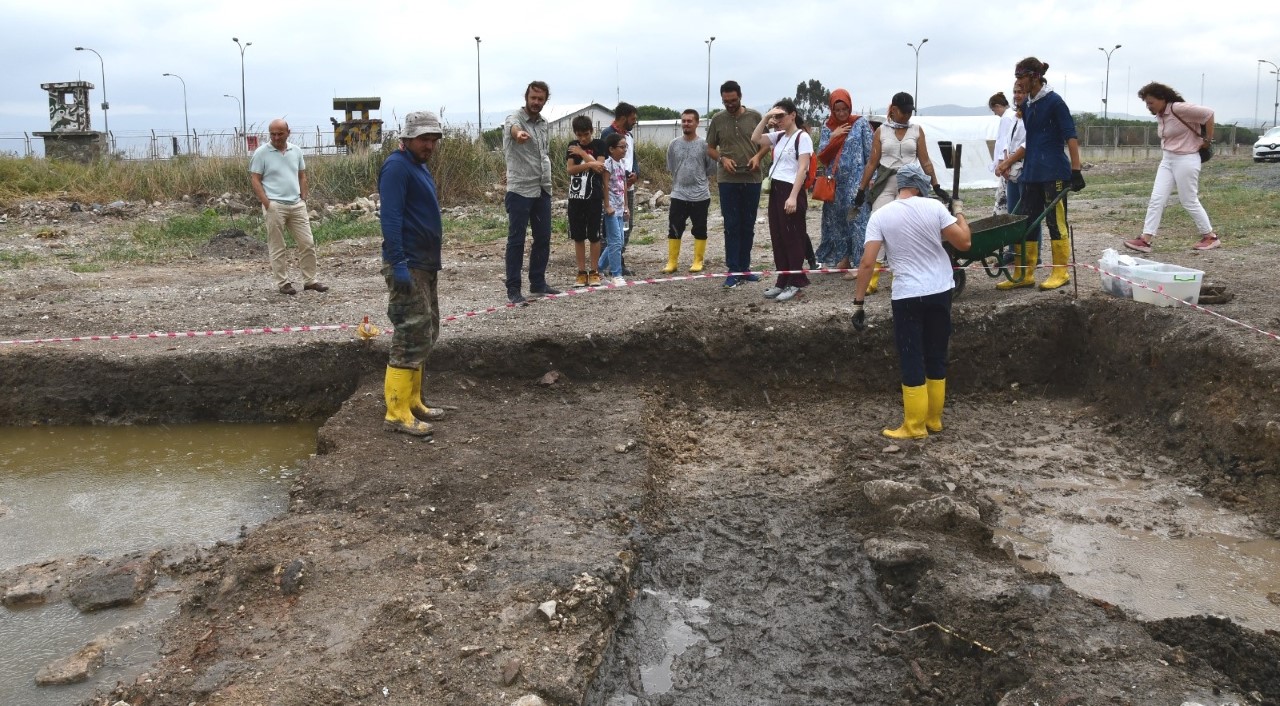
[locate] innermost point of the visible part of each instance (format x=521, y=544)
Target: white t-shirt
x=911, y=230
x=784, y=153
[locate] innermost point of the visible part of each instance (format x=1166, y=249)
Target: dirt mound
x=234, y=244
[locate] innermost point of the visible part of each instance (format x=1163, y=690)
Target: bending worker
x=911, y=230
x=411, y=237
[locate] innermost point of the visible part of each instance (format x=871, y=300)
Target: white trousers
x=1183, y=171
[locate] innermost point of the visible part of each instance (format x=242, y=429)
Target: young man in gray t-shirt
x=691, y=168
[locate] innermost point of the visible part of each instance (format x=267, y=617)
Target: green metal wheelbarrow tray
x=990, y=236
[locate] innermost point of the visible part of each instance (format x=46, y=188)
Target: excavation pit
x=692, y=494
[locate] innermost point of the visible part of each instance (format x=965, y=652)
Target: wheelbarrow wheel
x=959, y=276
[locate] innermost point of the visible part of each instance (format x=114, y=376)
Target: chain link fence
x=167, y=144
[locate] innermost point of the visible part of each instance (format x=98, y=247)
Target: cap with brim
x=419, y=123
x=904, y=102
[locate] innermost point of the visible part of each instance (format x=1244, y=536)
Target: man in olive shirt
x=526, y=138
x=739, y=176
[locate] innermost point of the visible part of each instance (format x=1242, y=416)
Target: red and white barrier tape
x=210, y=333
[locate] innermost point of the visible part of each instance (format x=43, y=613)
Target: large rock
x=74, y=669
x=883, y=493
x=112, y=584
x=889, y=553
x=941, y=513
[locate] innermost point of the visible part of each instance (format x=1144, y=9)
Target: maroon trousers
x=788, y=234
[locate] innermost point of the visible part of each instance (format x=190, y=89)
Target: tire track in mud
x=753, y=589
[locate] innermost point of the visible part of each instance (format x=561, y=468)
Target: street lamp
x=246, y=45
x=239, y=109
x=185, y=118
x=709, y=41
x=1275, y=110
x=106, y=123
x=1106, y=92
x=479, y=112
x=916, y=97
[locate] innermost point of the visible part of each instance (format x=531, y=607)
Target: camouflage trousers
x=415, y=317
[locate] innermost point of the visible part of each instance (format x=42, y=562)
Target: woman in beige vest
x=895, y=144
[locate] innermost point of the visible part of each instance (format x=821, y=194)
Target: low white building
x=561, y=117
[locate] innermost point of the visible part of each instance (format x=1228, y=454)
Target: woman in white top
x=792, y=150
x=912, y=229
x=895, y=144
x=1009, y=168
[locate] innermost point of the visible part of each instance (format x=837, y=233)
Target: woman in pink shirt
x=1180, y=127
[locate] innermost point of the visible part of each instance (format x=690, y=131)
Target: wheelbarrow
x=991, y=235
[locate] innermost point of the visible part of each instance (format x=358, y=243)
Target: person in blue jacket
x=411, y=238
x=1051, y=164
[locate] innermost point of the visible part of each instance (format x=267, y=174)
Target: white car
x=1267, y=147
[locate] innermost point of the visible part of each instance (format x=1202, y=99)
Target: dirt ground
x=678, y=494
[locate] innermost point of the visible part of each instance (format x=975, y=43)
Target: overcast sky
x=423, y=55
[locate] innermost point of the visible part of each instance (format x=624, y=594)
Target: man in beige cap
x=278, y=174
x=411, y=236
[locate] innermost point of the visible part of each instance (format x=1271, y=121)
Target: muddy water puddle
x=1116, y=521
x=108, y=491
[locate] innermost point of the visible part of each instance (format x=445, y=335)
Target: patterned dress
x=843, y=235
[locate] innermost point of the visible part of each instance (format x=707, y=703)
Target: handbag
x=1206, y=148
x=824, y=189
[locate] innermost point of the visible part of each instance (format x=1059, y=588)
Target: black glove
x=860, y=198
x=401, y=282
x=942, y=195
x=1077, y=180
x=859, y=318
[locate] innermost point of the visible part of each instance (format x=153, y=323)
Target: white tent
x=977, y=135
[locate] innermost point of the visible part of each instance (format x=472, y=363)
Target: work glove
x=957, y=207
x=860, y=198
x=401, y=282
x=942, y=195
x=1077, y=180
x=859, y=318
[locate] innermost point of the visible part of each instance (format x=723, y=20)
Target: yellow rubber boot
x=673, y=254
x=418, y=405
x=915, y=407
x=1061, y=258
x=937, y=393
x=1024, y=271
x=699, y=252
x=398, y=390
x=874, y=284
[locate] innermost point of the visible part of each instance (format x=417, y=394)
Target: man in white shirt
x=911, y=229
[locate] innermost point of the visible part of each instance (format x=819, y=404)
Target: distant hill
x=950, y=110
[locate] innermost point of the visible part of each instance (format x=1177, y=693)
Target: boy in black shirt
x=586, y=197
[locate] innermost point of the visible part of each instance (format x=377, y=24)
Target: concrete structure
x=71, y=136
x=353, y=132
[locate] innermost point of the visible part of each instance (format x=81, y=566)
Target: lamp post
x=1257, y=84
x=709, y=42
x=479, y=112
x=917, y=49
x=239, y=107
x=186, y=121
x=106, y=123
x=243, y=126
x=1276, y=109
x=1106, y=92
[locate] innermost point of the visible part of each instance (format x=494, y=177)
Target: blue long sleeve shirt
x=411, y=227
x=1049, y=125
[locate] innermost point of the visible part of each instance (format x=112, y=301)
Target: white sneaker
x=619, y=282
x=788, y=294
x=772, y=292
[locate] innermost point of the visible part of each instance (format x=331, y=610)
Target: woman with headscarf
x=1047, y=170
x=844, y=145
x=896, y=143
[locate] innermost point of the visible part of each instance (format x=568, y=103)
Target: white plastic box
x=1178, y=282
x=1117, y=287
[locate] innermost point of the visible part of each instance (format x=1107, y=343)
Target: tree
x=656, y=112
x=813, y=101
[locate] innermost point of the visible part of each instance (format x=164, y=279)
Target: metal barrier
x=168, y=144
